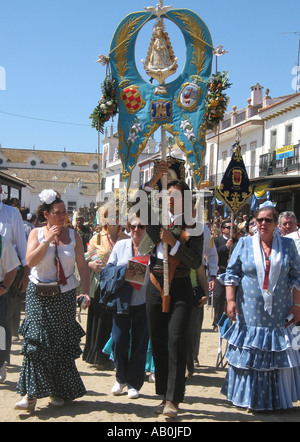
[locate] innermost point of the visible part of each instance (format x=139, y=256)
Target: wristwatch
x=45, y=242
x=2, y=286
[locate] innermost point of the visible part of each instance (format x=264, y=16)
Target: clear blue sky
x=48, y=50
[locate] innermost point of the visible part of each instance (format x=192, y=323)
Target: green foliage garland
x=107, y=106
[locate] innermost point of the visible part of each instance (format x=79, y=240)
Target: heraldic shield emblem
x=161, y=110
x=132, y=99
x=236, y=177
x=189, y=96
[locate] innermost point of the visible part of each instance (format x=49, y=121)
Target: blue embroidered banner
x=178, y=106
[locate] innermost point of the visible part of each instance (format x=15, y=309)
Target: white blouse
x=9, y=259
x=45, y=271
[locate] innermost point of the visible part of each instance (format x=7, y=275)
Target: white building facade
x=111, y=170
x=282, y=133
x=74, y=175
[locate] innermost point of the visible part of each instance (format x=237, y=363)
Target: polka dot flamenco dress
x=51, y=344
x=263, y=356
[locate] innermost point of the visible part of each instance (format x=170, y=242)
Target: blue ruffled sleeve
x=233, y=273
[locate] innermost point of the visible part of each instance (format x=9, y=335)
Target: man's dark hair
x=180, y=184
x=224, y=223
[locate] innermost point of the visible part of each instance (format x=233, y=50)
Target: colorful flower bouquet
x=216, y=100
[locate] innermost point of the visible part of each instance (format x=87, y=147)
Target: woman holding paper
x=130, y=369
x=263, y=289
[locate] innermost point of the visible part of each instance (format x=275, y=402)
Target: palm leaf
x=196, y=32
x=123, y=43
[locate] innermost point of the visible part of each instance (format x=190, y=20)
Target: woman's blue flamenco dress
x=263, y=355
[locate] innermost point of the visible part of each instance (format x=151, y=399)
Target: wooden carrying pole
x=165, y=218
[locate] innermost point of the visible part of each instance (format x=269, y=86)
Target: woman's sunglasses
x=139, y=226
x=261, y=220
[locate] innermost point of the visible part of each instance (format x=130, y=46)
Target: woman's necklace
x=267, y=252
x=266, y=249
x=112, y=239
x=135, y=250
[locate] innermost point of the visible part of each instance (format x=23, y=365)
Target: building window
x=33, y=163
x=64, y=164
x=141, y=175
x=243, y=151
x=113, y=185
x=95, y=166
x=288, y=135
x=224, y=161
x=253, y=147
x=273, y=140
x=71, y=208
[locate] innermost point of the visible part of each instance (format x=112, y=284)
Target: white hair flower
x=48, y=196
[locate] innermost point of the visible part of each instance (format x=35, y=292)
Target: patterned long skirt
x=51, y=344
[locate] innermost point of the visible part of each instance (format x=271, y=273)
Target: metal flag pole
x=218, y=52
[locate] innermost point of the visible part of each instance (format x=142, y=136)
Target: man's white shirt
x=11, y=227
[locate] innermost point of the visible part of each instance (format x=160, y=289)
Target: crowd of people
x=250, y=272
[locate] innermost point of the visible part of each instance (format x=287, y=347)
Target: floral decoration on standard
x=107, y=107
x=216, y=101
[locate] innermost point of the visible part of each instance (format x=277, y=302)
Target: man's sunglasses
x=139, y=226
x=268, y=220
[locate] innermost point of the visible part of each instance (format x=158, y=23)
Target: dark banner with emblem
x=235, y=188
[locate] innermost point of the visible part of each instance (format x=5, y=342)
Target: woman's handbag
x=47, y=289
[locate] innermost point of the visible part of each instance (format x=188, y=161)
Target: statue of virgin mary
x=161, y=61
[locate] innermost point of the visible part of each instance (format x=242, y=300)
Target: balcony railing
x=268, y=165
x=239, y=116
